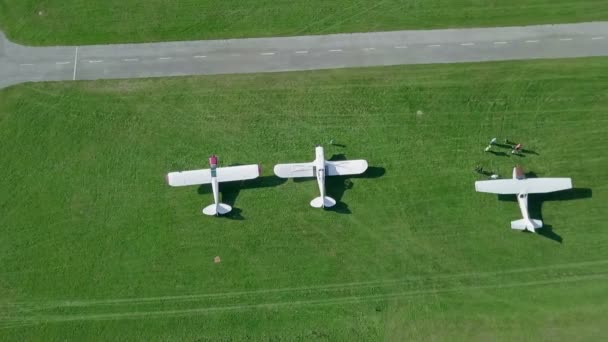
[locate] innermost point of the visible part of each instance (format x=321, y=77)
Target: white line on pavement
x=335, y=50
x=75, y=64
x=302, y=51
x=400, y=47
x=467, y=44
x=26, y=64
x=267, y=53
x=597, y=38
x=434, y=45
x=96, y=61
x=62, y=63
x=531, y=41
x=130, y=59
x=369, y=49
x=500, y=43
x=165, y=58
x=565, y=39
x=200, y=56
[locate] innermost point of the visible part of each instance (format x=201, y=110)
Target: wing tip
x=169, y=179
x=277, y=169
x=365, y=165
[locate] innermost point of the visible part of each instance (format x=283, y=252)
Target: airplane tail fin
x=323, y=202
x=220, y=209
x=524, y=224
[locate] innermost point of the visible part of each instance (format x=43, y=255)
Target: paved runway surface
x=21, y=64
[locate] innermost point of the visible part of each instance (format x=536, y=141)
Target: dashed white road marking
x=400, y=47
x=267, y=53
x=131, y=59
x=62, y=63
x=26, y=64
x=96, y=61
x=597, y=38
x=565, y=39
x=165, y=58
x=302, y=51
x=500, y=43
x=336, y=50
x=531, y=41
x=434, y=45
x=467, y=44
x=200, y=56
x=369, y=49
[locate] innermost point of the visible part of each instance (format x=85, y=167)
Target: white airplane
x=522, y=186
x=320, y=168
x=214, y=175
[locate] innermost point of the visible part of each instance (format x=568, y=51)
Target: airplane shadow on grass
x=535, y=203
x=499, y=154
x=336, y=186
x=229, y=191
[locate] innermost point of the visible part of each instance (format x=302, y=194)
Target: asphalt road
x=22, y=64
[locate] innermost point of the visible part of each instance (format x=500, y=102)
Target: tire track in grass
x=40, y=319
x=291, y=290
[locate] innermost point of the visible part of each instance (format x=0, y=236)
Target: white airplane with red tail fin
x=320, y=168
x=522, y=186
x=214, y=175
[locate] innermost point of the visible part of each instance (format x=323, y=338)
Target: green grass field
x=54, y=22
x=95, y=246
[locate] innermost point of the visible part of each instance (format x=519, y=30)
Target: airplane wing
x=528, y=185
x=184, y=178
x=345, y=167
x=296, y=170
x=236, y=173
x=543, y=185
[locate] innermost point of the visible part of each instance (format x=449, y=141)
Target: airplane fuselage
x=522, y=200
x=214, y=182
x=522, y=197
x=320, y=169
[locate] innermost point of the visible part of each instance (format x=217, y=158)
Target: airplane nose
x=213, y=160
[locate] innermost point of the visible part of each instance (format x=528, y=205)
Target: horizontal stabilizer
x=528, y=185
x=296, y=170
x=524, y=224
x=345, y=167
x=323, y=202
x=219, y=209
